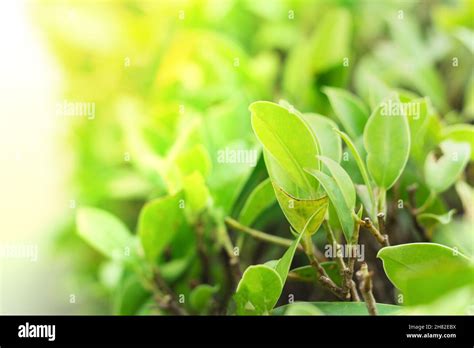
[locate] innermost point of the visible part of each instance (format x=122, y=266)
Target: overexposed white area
x=31, y=197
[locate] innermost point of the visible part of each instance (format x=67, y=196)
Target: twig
x=381, y=222
x=259, y=234
x=365, y=287
x=234, y=263
x=351, y=263
x=323, y=276
x=382, y=239
x=343, y=270
x=413, y=211
x=165, y=296
x=202, y=252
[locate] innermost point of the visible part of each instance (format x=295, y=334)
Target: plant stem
x=411, y=206
x=323, y=276
x=165, y=296
x=259, y=234
x=343, y=270
x=202, y=252
x=382, y=239
x=229, y=250
x=381, y=223
x=351, y=262
x=365, y=287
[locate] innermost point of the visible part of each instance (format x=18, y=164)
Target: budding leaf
x=387, y=141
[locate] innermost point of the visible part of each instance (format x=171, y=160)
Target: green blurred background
x=167, y=78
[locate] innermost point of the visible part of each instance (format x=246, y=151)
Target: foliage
x=349, y=115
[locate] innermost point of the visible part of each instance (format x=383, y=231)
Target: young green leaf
x=158, y=223
x=441, y=173
x=288, y=139
x=258, y=291
x=387, y=141
x=361, y=165
x=261, y=198
x=299, y=211
x=196, y=191
x=322, y=127
x=344, y=212
x=349, y=109
x=342, y=179
x=104, y=232
x=418, y=121
x=284, y=264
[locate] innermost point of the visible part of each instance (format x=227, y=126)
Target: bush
x=360, y=174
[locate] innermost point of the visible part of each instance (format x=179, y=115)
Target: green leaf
x=349, y=109
x=360, y=165
x=419, y=121
x=461, y=133
x=196, y=191
x=344, y=212
x=288, y=139
x=430, y=284
x=441, y=173
x=130, y=296
x=331, y=41
x=104, y=232
x=342, y=308
x=425, y=271
x=201, y=297
x=299, y=211
x=261, y=198
x=258, y=290
x=284, y=264
x=342, y=179
x=387, y=141
x=456, y=235
x=322, y=127
x=456, y=302
x=195, y=159
x=159, y=222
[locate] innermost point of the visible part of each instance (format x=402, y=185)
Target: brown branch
x=365, y=287
x=351, y=263
x=343, y=270
x=202, y=252
x=411, y=206
x=381, y=222
x=382, y=239
x=323, y=276
x=165, y=296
